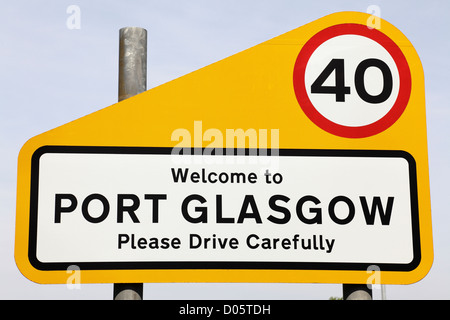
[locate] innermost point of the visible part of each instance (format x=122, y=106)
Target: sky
x=52, y=74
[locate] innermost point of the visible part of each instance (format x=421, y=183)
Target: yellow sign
x=302, y=159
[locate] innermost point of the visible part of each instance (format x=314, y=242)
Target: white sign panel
x=146, y=208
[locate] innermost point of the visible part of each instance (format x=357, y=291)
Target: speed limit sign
x=352, y=81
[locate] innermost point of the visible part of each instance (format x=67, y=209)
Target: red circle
x=341, y=130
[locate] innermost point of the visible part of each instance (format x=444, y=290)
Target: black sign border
x=219, y=265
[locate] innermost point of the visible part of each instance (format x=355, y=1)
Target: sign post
x=356, y=292
x=132, y=81
x=302, y=159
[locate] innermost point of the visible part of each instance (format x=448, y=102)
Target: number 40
x=340, y=90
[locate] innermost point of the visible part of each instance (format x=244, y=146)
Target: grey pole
x=357, y=291
x=132, y=81
x=383, y=292
x=132, y=62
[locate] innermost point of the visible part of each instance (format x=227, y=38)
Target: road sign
x=372, y=80
x=205, y=211
x=302, y=159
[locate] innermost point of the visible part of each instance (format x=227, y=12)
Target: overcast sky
x=51, y=75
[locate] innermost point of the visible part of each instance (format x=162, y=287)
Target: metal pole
x=357, y=291
x=383, y=292
x=132, y=62
x=128, y=291
x=132, y=81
